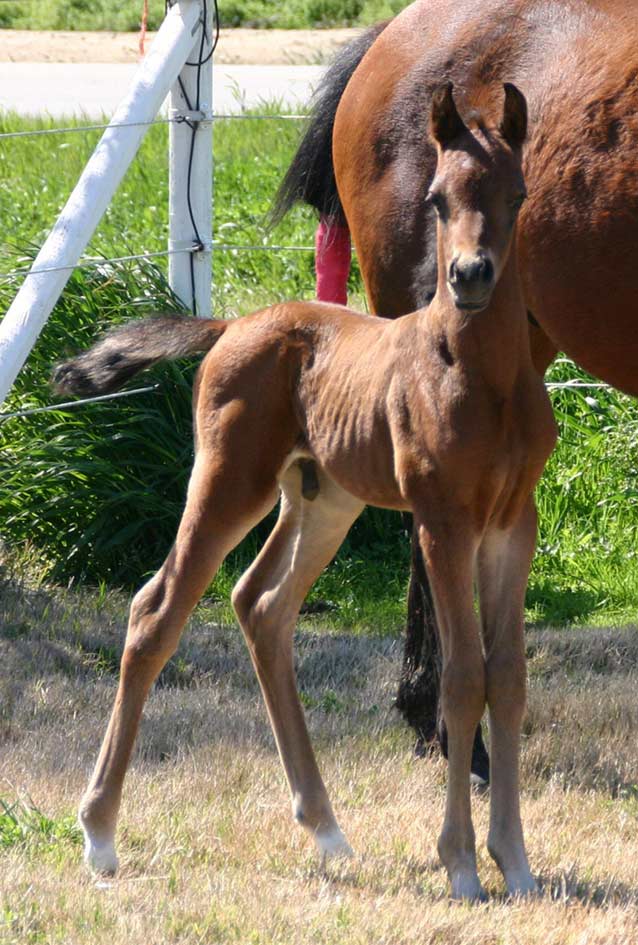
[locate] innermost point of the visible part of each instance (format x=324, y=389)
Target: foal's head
x=477, y=191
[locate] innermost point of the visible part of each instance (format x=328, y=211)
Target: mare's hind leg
x=504, y=560
x=418, y=696
x=267, y=601
x=218, y=513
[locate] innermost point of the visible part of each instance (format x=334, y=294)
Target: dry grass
x=209, y=851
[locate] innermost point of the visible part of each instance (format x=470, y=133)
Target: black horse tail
x=136, y=346
x=310, y=178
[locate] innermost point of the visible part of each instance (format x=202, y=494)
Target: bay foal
x=440, y=413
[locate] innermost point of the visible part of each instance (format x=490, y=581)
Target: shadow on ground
x=68, y=645
x=60, y=654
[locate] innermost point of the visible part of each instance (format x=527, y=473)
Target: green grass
x=95, y=493
x=265, y=14
x=586, y=567
x=23, y=825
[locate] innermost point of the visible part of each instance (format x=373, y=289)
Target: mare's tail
x=134, y=347
x=310, y=178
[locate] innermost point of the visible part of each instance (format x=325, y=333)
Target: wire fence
x=81, y=129
x=99, y=261
x=95, y=262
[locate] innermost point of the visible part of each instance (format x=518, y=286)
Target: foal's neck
x=492, y=344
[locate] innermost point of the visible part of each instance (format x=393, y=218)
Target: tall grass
x=95, y=493
x=586, y=568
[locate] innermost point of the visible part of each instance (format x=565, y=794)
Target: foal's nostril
x=487, y=270
x=454, y=272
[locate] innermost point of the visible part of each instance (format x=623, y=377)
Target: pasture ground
x=209, y=851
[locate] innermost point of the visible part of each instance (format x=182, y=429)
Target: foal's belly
x=363, y=462
x=367, y=488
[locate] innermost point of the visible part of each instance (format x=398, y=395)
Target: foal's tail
x=134, y=347
x=310, y=178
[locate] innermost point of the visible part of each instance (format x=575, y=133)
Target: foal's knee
x=506, y=684
x=256, y=610
x=463, y=691
x=153, y=633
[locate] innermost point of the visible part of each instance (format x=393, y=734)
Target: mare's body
x=577, y=63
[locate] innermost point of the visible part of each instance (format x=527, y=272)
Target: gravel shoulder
x=236, y=47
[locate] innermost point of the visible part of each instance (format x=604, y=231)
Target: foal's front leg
x=448, y=550
x=418, y=697
x=504, y=560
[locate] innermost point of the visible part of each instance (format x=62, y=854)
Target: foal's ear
x=445, y=122
x=514, y=122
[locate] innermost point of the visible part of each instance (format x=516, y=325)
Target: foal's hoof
x=521, y=885
x=467, y=888
x=99, y=855
x=332, y=844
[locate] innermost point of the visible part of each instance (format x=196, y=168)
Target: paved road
x=95, y=90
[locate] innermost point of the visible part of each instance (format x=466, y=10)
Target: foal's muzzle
x=471, y=281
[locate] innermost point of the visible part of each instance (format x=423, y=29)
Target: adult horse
x=577, y=63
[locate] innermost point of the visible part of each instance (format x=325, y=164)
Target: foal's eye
x=437, y=200
x=517, y=202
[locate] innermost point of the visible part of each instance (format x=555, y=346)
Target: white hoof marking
x=100, y=855
x=332, y=843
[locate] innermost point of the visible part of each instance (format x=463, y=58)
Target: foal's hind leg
x=267, y=601
x=218, y=513
x=504, y=560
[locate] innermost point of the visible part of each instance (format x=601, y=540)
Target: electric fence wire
x=104, y=261
x=93, y=263
x=78, y=129
x=72, y=404
x=52, y=408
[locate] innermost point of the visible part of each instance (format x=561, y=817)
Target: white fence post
x=191, y=175
x=92, y=194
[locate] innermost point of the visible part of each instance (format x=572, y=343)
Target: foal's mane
x=476, y=121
